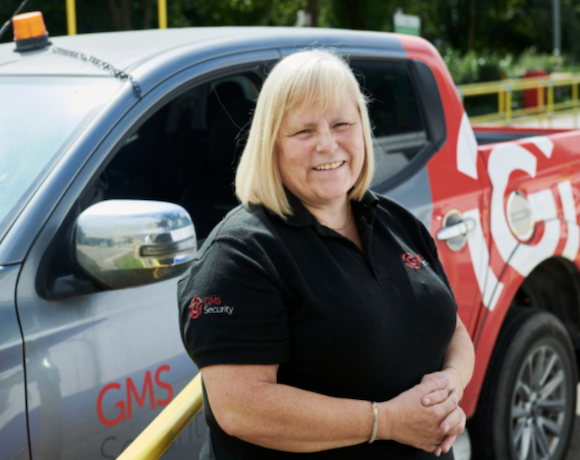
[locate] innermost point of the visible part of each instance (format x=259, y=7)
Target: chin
x=332, y=196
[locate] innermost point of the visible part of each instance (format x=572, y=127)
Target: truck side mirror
x=124, y=243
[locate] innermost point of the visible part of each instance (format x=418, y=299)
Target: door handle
x=459, y=229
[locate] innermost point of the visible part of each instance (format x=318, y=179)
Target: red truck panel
x=486, y=274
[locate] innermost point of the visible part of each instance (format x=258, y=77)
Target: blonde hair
x=310, y=77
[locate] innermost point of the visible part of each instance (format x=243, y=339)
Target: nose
x=326, y=141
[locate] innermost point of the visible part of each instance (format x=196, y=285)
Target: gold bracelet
x=460, y=375
x=375, y=423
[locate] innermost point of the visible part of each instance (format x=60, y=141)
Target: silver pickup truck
x=105, y=141
x=117, y=158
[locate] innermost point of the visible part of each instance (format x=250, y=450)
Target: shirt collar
x=301, y=217
x=366, y=207
x=369, y=200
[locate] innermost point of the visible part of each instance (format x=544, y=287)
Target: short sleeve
x=231, y=308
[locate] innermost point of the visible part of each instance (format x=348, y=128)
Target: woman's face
x=321, y=154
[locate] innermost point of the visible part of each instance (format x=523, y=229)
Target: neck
x=334, y=215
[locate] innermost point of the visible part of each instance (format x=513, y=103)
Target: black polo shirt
x=339, y=321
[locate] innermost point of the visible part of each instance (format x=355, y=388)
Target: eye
x=342, y=124
x=303, y=132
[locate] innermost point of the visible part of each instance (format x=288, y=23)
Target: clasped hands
x=429, y=415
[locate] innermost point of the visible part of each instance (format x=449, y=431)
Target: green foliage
x=128, y=262
x=476, y=67
x=185, y=13
x=492, y=29
x=481, y=67
x=98, y=15
x=531, y=59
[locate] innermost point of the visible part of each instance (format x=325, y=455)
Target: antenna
x=7, y=23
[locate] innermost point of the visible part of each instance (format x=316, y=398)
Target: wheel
x=526, y=409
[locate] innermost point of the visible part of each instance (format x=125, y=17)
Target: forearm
x=282, y=417
x=460, y=354
x=249, y=404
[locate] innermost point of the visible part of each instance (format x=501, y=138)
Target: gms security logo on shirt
x=414, y=261
x=208, y=306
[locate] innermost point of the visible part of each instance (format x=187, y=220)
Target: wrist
x=387, y=412
x=458, y=371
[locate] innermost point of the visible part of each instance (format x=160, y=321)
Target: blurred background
x=480, y=40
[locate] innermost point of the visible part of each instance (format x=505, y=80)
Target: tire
x=526, y=410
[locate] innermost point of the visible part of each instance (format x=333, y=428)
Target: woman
x=319, y=313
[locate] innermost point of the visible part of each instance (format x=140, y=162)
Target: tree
x=498, y=26
x=472, y=22
x=122, y=13
x=313, y=9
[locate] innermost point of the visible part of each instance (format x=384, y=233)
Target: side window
x=396, y=118
x=187, y=151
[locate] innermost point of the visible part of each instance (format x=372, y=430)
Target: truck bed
x=494, y=134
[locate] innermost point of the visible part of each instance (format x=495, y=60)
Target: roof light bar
x=29, y=31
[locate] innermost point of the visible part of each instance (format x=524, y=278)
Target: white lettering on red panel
x=504, y=159
x=466, y=149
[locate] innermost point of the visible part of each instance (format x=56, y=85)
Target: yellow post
x=162, y=5
x=501, y=103
x=550, y=106
x=508, y=105
x=71, y=17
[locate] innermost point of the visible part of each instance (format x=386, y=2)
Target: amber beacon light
x=29, y=31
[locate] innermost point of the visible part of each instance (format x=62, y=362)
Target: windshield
x=39, y=118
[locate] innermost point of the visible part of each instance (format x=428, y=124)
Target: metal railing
x=546, y=108
x=168, y=425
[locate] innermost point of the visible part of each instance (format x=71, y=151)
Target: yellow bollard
x=550, y=106
x=501, y=103
x=71, y=17
x=162, y=9
x=508, y=105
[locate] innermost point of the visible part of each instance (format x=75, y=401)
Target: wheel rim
x=538, y=408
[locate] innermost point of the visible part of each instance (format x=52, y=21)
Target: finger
x=452, y=423
x=455, y=417
x=437, y=451
x=436, y=384
x=451, y=403
x=435, y=397
x=459, y=427
x=428, y=447
x=432, y=376
x=448, y=443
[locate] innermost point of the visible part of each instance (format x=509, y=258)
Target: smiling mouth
x=334, y=165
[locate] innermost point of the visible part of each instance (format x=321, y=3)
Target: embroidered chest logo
x=195, y=308
x=414, y=261
x=208, y=306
